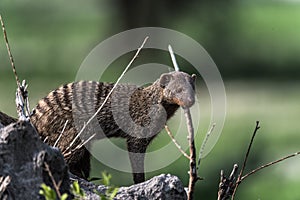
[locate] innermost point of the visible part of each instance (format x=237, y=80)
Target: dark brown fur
x=137, y=114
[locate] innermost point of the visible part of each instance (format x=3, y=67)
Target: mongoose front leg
x=136, y=149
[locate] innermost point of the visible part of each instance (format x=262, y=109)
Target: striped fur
x=134, y=113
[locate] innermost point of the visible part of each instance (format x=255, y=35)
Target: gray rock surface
x=164, y=186
x=22, y=157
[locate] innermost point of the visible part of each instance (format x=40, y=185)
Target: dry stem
x=238, y=182
x=55, y=185
x=4, y=182
x=204, y=143
x=9, y=52
x=68, y=153
x=176, y=143
x=56, y=142
x=226, y=184
x=269, y=164
x=241, y=177
x=109, y=94
x=173, y=58
x=22, y=94
x=228, y=187
x=193, y=168
x=193, y=165
x=45, y=140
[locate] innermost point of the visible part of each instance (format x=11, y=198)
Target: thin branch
x=74, y=140
x=226, y=184
x=63, y=130
x=193, y=165
x=4, y=182
x=84, y=143
x=22, y=94
x=249, y=147
x=238, y=182
x=45, y=139
x=173, y=58
x=269, y=164
x=66, y=154
x=55, y=185
x=204, y=143
x=228, y=188
x=109, y=94
x=221, y=185
x=193, y=168
x=176, y=143
x=22, y=102
x=9, y=52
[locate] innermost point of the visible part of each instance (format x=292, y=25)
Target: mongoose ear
x=164, y=80
x=194, y=77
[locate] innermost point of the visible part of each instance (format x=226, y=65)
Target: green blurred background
x=255, y=44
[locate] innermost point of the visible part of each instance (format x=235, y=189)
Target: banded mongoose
x=137, y=114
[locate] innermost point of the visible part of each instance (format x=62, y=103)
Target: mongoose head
x=178, y=88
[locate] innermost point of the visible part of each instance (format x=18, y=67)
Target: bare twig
x=238, y=182
x=249, y=147
x=269, y=164
x=173, y=58
x=175, y=142
x=226, y=185
x=9, y=52
x=228, y=188
x=22, y=102
x=66, y=154
x=84, y=142
x=55, y=185
x=56, y=142
x=109, y=94
x=193, y=168
x=4, y=182
x=193, y=165
x=45, y=139
x=21, y=94
x=204, y=143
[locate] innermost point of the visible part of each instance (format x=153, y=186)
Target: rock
x=22, y=165
x=159, y=187
x=6, y=120
x=22, y=158
x=164, y=186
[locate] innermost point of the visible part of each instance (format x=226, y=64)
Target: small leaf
x=47, y=192
x=64, y=196
x=106, y=178
x=114, y=193
x=76, y=190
